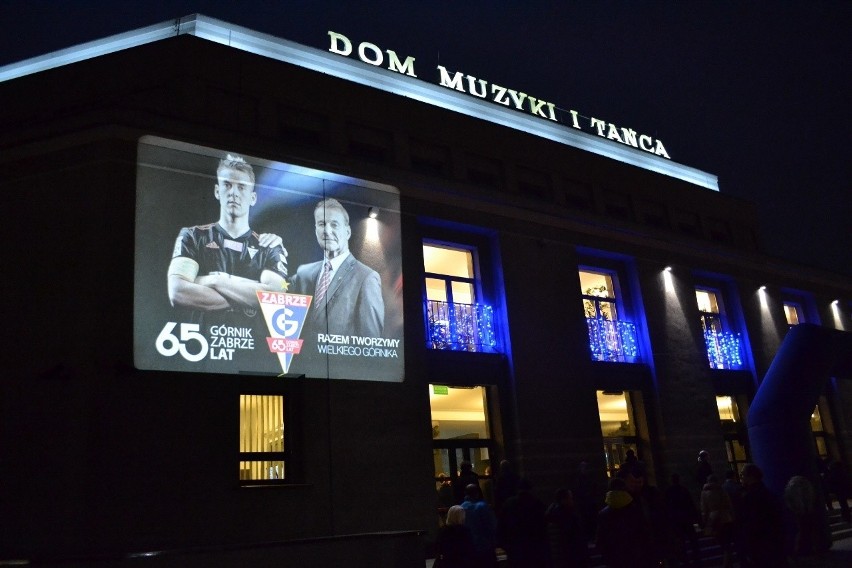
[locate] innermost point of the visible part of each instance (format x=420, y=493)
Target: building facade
x=549, y=297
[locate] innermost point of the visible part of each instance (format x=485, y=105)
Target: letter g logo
x=281, y=324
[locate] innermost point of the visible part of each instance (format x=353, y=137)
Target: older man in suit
x=347, y=294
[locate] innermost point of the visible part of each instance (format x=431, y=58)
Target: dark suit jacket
x=353, y=304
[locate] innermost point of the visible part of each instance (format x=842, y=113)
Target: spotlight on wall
x=668, y=279
x=373, y=212
x=835, y=313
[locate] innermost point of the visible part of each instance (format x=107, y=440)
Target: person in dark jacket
x=703, y=469
x=522, y=530
x=838, y=483
x=454, y=545
x=466, y=477
x=735, y=491
x=800, y=498
x=683, y=516
x=568, y=542
x=762, y=527
x=588, y=490
x=623, y=538
x=506, y=485
x=651, y=503
x=717, y=515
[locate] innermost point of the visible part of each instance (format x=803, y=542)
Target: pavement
x=838, y=556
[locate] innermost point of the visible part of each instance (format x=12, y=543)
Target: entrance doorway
x=618, y=427
x=461, y=432
x=733, y=428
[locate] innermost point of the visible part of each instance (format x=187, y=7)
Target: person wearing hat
x=623, y=535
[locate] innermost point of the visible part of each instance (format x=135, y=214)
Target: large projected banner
x=245, y=265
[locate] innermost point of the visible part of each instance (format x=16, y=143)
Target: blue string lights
x=724, y=349
x=460, y=327
x=613, y=341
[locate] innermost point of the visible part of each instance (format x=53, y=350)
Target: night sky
x=759, y=94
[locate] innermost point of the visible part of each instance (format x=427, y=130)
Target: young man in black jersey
x=219, y=267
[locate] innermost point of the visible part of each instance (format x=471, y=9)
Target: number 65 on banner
x=168, y=344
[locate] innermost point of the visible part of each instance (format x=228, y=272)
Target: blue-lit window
x=724, y=347
x=455, y=320
x=611, y=338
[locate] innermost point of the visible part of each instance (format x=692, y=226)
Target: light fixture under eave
x=668, y=279
x=373, y=212
x=764, y=301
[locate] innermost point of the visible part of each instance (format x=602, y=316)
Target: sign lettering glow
x=371, y=54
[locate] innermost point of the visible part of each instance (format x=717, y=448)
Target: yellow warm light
x=725, y=406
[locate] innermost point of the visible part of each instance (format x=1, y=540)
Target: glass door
x=460, y=436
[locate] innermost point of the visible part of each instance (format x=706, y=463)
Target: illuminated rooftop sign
x=371, y=53
x=453, y=92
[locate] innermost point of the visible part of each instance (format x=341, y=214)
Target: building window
x=611, y=338
x=263, y=442
x=618, y=427
x=734, y=431
x=454, y=318
x=793, y=313
x=724, y=347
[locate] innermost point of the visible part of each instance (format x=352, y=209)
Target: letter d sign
x=338, y=39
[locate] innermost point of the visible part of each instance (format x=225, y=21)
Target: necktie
x=324, y=281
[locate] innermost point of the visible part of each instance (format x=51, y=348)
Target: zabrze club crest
x=284, y=315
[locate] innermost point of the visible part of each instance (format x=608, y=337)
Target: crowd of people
x=631, y=523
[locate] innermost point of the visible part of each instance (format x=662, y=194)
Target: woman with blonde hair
x=454, y=545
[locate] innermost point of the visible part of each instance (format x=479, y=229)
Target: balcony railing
x=460, y=327
x=724, y=349
x=613, y=341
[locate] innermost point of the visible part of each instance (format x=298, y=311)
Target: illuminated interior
x=617, y=427
x=455, y=320
x=262, y=432
x=791, y=312
x=600, y=285
x=820, y=433
x=726, y=408
x=451, y=262
x=729, y=416
x=596, y=284
x=614, y=414
x=707, y=301
x=458, y=412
